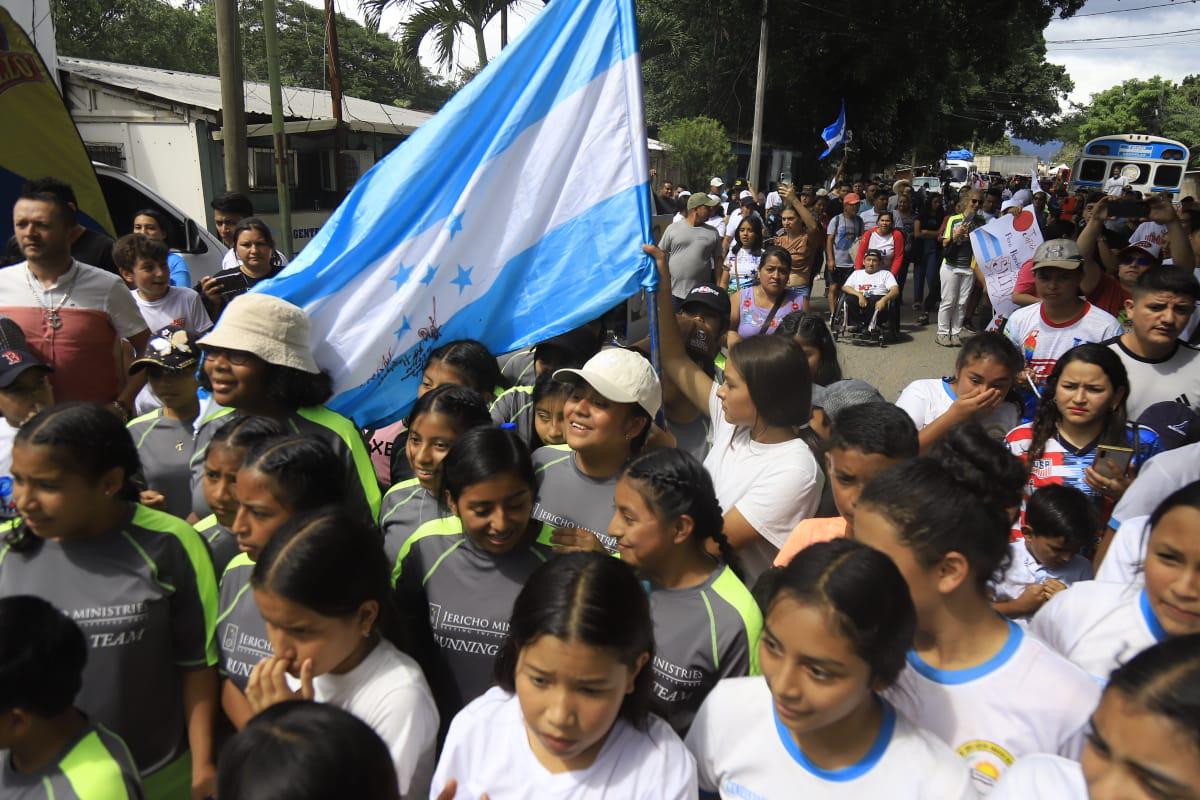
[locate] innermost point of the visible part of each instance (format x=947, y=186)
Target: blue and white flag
x=835, y=133
x=515, y=214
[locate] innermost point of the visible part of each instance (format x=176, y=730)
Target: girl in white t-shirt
x=839, y=622
x=569, y=717
x=1100, y=625
x=322, y=585
x=1143, y=741
x=979, y=391
x=744, y=256
x=761, y=460
x=974, y=679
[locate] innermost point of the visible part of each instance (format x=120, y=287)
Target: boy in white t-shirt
x=1061, y=319
x=143, y=264
x=870, y=290
x=1059, y=520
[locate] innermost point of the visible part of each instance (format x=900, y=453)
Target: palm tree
x=444, y=21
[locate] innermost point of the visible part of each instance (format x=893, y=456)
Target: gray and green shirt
x=95, y=765
x=241, y=632
x=566, y=498
x=701, y=634
x=146, y=598
x=406, y=507
x=516, y=406
x=362, y=488
x=222, y=544
x=164, y=447
x=469, y=594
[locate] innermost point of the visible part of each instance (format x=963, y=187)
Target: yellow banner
x=38, y=138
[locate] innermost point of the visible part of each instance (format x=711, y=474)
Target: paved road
x=891, y=368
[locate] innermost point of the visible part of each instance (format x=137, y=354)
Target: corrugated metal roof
x=204, y=91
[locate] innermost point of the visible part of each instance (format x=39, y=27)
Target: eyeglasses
x=239, y=358
x=1141, y=261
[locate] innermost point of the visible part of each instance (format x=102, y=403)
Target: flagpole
x=760, y=91
x=655, y=360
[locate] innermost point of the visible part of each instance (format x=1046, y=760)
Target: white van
x=126, y=195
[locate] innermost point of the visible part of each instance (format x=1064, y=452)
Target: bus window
x=1093, y=170
x=1168, y=175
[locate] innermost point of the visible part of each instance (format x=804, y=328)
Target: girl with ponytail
x=973, y=678
x=668, y=526
x=139, y=581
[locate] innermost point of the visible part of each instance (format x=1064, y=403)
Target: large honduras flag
x=515, y=214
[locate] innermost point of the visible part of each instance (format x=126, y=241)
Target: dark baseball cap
x=570, y=349
x=711, y=297
x=171, y=348
x=1176, y=424
x=16, y=356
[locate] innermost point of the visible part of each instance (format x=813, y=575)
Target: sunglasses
x=1141, y=261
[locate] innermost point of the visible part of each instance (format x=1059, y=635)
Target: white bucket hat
x=621, y=376
x=272, y=329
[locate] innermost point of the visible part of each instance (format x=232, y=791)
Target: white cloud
x=1095, y=66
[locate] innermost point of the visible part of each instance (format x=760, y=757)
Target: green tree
x=1002, y=147
x=1156, y=106
x=442, y=21
x=699, y=146
x=937, y=79
x=153, y=33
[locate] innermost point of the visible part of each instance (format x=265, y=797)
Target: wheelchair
x=872, y=332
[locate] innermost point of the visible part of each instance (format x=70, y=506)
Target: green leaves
x=1155, y=106
x=700, y=146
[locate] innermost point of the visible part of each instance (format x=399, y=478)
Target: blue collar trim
x=949, y=389
x=1156, y=628
x=886, y=728
x=954, y=677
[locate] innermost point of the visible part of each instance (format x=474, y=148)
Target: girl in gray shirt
x=281, y=478
x=706, y=623
x=456, y=578
x=139, y=583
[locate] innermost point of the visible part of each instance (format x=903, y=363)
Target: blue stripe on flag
x=524, y=305
x=564, y=48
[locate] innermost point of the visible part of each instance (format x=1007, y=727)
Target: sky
x=1095, y=66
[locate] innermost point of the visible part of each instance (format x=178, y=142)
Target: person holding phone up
x=257, y=260
x=1080, y=435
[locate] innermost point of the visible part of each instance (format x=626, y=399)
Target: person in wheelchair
x=869, y=291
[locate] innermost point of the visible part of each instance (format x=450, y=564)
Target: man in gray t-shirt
x=693, y=248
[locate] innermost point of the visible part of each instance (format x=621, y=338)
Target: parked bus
x=1152, y=163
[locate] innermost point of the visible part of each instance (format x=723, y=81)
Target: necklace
x=50, y=312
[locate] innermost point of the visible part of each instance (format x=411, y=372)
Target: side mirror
x=193, y=242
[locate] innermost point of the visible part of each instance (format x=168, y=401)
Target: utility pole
x=233, y=97
x=759, y=95
x=503, y=27
x=335, y=93
x=271, y=39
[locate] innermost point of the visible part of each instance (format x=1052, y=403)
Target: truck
x=1008, y=166
x=958, y=172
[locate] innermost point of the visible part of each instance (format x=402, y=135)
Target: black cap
x=1176, y=424
x=171, y=348
x=15, y=354
x=710, y=296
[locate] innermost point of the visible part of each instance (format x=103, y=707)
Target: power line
x=1128, y=36
x=1180, y=4
x=1121, y=47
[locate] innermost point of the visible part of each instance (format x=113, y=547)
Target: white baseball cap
x=716, y=182
x=622, y=376
x=745, y=193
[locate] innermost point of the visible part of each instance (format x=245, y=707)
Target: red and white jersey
x=1043, y=342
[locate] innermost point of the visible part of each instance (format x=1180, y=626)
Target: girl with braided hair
x=668, y=526
x=456, y=577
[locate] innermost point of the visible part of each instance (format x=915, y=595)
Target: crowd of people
x=568, y=575
x=725, y=235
